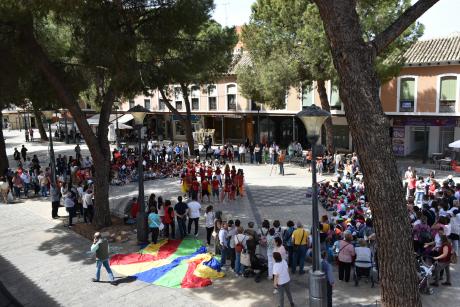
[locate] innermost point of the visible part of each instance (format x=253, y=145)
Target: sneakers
x=275, y=291
x=94, y=280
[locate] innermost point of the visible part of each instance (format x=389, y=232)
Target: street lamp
x=49, y=117
x=313, y=118
x=139, y=112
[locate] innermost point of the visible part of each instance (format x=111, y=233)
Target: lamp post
x=49, y=117
x=139, y=112
x=313, y=118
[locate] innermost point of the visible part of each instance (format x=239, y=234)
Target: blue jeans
x=281, y=168
x=182, y=227
x=299, y=258
x=223, y=255
x=419, y=197
x=44, y=190
x=238, y=267
x=99, y=264
x=26, y=189
x=17, y=191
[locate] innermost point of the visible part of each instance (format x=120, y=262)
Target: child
x=205, y=189
x=215, y=188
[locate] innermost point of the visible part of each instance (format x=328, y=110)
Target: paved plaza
x=43, y=263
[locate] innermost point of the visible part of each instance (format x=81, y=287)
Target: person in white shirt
x=223, y=233
x=240, y=241
x=337, y=159
x=87, y=200
x=281, y=280
x=209, y=217
x=363, y=255
x=69, y=205
x=242, y=154
x=26, y=181
x=194, y=208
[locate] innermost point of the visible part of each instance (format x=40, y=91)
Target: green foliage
x=290, y=34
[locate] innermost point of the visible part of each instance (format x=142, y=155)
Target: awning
x=455, y=144
x=122, y=119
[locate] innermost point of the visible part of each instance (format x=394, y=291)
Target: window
x=147, y=104
x=307, y=95
x=180, y=130
x=448, y=94
x=195, y=93
x=212, y=97
x=407, y=95
x=131, y=103
x=334, y=101
x=178, y=105
x=231, y=97
x=447, y=136
x=161, y=104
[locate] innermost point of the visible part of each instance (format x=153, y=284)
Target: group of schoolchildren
x=206, y=179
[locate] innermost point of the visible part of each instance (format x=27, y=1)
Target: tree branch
x=169, y=105
x=382, y=40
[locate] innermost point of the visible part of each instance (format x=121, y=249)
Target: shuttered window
x=448, y=94
x=407, y=95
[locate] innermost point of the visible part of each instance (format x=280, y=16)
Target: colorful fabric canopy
x=170, y=263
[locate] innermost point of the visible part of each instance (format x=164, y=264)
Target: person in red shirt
x=215, y=188
x=134, y=208
x=168, y=220
x=195, y=188
x=205, y=189
x=411, y=186
x=209, y=173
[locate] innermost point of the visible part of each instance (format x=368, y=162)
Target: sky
x=441, y=20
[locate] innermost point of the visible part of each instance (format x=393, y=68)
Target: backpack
x=287, y=236
x=239, y=246
x=263, y=239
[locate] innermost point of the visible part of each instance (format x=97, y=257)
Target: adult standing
x=168, y=220
x=209, y=217
x=88, y=208
x=69, y=204
x=287, y=239
x=346, y=254
x=252, y=240
x=181, y=209
x=194, y=208
x=443, y=262
x=240, y=246
x=223, y=233
x=300, y=242
x=17, y=156
x=101, y=248
x=337, y=160
x=55, y=200
x=326, y=267
x=154, y=223
x=281, y=280
x=281, y=158
x=24, y=153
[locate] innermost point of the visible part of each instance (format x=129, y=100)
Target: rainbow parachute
x=170, y=263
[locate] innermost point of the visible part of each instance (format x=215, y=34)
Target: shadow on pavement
x=16, y=289
x=68, y=243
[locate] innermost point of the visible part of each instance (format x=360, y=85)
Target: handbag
x=245, y=259
x=161, y=227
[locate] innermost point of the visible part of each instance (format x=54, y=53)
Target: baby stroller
x=424, y=272
x=363, y=269
x=259, y=265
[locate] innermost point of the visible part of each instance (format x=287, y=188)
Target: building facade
x=422, y=103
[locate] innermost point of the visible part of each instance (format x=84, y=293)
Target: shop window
x=407, y=95
x=231, y=97
x=180, y=129
x=307, y=95
x=334, y=101
x=212, y=97
x=448, y=95
x=147, y=104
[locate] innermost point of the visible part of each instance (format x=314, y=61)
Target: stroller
x=424, y=272
x=259, y=266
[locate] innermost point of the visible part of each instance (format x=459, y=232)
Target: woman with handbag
x=345, y=257
x=240, y=247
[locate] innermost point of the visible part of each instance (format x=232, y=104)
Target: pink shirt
x=346, y=251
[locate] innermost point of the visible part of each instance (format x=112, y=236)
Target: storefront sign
x=195, y=118
x=422, y=121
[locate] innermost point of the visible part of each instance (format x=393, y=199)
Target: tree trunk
x=186, y=121
x=98, y=153
x=4, y=164
x=359, y=90
x=38, y=121
x=188, y=118
x=321, y=88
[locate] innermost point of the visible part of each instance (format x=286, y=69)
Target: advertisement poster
x=398, y=140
